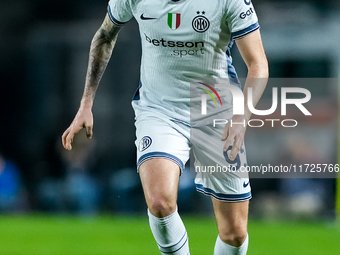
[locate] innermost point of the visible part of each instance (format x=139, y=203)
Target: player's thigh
x=232, y=220
x=231, y=215
x=160, y=178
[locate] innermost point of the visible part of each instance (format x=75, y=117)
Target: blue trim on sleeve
x=116, y=22
x=224, y=197
x=158, y=154
x=244, y=32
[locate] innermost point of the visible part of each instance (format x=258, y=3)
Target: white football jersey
x=183, y=40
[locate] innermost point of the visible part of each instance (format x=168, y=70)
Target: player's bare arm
x=100, y=52
x=253, y=54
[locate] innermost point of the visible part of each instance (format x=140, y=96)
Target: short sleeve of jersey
x=241, y=18
x=119, y=11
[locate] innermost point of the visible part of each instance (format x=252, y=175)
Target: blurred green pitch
x=52, y=235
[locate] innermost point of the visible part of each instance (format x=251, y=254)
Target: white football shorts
x=158, y=136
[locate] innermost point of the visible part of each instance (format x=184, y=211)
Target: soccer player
x=183, y=41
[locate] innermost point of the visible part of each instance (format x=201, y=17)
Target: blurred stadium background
x=44, y=51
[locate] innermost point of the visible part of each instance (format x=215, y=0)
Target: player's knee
x=234, y=237
x=161, y=207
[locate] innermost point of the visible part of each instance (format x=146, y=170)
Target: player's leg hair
x=160, y=178
x=232, y=220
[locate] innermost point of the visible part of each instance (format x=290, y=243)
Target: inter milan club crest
x=174, y=20
x=200, y=23
x=145, y=143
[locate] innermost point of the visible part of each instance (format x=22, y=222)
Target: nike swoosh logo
x=145, y=18
x=245, y=184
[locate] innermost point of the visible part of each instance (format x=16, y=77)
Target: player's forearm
x=257, y=80
x=101, y=49
x=100, y=53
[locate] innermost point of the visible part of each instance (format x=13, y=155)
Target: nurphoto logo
x=238, y=104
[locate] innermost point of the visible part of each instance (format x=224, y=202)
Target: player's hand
x=83, y=119
x=234, y=135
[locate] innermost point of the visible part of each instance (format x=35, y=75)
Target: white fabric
x=170, y=234
x=222, y=248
